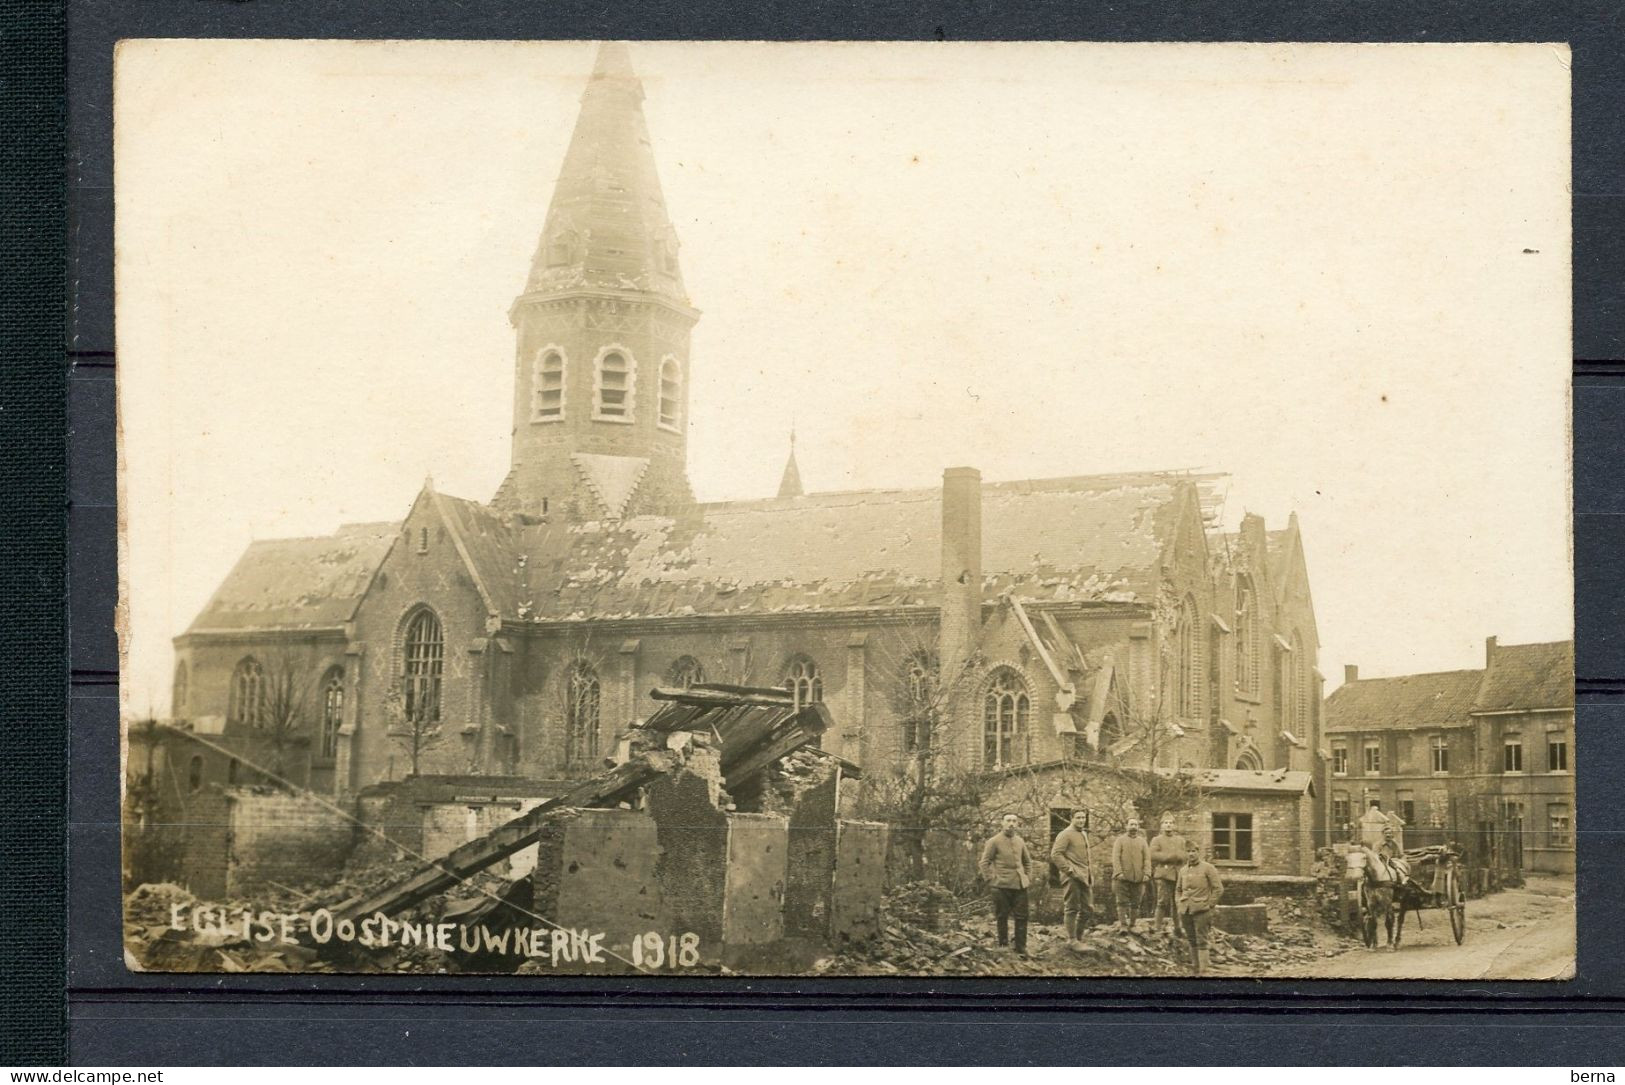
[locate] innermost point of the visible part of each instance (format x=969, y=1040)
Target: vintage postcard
x=846, y=509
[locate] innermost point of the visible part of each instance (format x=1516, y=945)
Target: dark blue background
x=117, y=1017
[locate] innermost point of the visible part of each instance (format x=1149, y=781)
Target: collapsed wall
x=685, y=872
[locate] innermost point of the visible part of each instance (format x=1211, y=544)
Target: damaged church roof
x=1080, y=539
x=307, y=583
x=1083, y=539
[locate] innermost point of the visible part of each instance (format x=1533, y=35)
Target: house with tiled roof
x=1454, y=752
x=1095, y=617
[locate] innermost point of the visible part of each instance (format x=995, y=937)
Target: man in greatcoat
x=1007, y=866
x=1070, y=854
x=1131, y=869
x=1167, y=857
x=1197, y=891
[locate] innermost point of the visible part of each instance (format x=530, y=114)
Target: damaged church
x=1004, y=624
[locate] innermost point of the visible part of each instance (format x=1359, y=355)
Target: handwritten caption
x=556, y=945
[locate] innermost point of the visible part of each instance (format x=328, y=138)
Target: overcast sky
x=1338, y=273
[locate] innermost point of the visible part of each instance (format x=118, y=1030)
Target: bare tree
x=286, y=695
x=929, y=786
x=413, y=723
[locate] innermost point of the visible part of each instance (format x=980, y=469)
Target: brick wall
x=438, y=579
x=294, y=840
x=1282, y=830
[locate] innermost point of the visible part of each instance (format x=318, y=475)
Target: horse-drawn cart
x=1423, y=879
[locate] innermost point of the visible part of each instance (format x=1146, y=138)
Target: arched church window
x=581, y=715
x=1302, y=686
x=1006, y=711
x=332, y=711
x=803, y=682
x=1187, y=662
x=180, y=692
x=920, y=680
x=247, y=708
x=194, y=774
x=685, y=673
x=547, y=386
x=1250, y=760
x=423, y=653
x=613, y=386
x=1246, y=636
x=671, y=393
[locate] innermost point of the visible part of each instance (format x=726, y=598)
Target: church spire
x=790, y=484
x=607, y=227
x=601, y=377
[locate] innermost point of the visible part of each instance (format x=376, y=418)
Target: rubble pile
x=927, y=930
x=784, y=781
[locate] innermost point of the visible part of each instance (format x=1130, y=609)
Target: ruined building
x=1004, y=624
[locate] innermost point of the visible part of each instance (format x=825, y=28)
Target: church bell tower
x=600, y=412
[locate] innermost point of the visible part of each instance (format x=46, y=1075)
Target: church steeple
x=790, y=484
x=601, y=372
x=607, y=225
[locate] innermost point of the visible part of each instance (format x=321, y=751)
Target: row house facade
x=1449, y=750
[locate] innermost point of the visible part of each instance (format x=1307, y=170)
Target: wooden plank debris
x=755, y=728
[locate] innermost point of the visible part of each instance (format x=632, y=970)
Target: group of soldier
x=1183, y=886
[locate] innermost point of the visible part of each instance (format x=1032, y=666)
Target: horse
x=1377, y=889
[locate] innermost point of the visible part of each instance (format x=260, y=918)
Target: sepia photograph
x=846, y=509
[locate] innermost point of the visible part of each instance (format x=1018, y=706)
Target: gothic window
x=920, y=689
x=1246, y=637
x=547, y=386
x=194, y=774
x=181, y=691
x=248, y=694
x=1286, y=694
x=1006, y=711
x=581, y=715
x=332, y=711
x=671, y=393
x=1302, y=686
x=1250, y=760
x=803, y=682
x=614, y=386
x=1187, y=662
x=423, y=660
x=685, y=672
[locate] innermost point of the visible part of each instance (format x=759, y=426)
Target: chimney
x=1351, y=673
x=961, y=568
x=1489, y=651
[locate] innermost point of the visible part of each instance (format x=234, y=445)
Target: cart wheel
x=1456, y=901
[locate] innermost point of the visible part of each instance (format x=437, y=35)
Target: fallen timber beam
x=725, y=697
x=789, y=731
x=794, y=733
x=606, y=789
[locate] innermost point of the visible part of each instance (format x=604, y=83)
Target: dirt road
x=1525, y=934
